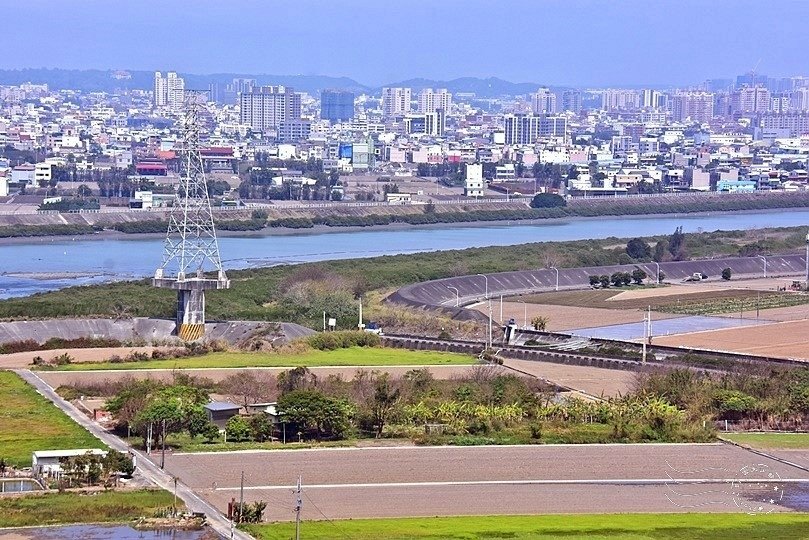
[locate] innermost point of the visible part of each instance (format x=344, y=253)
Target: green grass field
x=770, y=440
x=29, y=422
x=355, y=356
x=734, y=526
x=63, y=508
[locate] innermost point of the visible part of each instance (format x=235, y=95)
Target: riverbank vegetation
x=29, y=422
x=301, y=293
x=92, y=507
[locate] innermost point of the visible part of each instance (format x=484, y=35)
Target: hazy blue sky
x=577, y=42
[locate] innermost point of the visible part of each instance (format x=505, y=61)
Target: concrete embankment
x=139, y=330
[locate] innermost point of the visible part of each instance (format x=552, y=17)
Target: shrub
x=237, y=429
x=726, y=274
x=329, y=341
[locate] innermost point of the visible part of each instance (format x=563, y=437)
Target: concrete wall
x=149, y=330
x=437, y=294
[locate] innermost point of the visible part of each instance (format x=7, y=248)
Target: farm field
x=563, y=318
x=29, y=422
x=583, y=526
x=354, y=356
x=780, y=339
x=787, y=441
x=663, y=299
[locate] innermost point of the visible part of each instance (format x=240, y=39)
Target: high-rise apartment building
x=795, y=124
x=571, y=101
x=528, y=128
x=543, y=102
x=650, y=99
x=267, y=107
x=750, y=99
x=800, y=99
x=337, y=105
x=395, y=101
x=160, y=96
x=169, y=91
x=619, y=100
x=693, y=106
x=430, y=100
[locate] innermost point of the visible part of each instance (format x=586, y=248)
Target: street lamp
x=557, y=276
x=763, y=258
x=524, y=313
x=657, y=277
x=457, y=297
x=807, y=260
x=489, y=340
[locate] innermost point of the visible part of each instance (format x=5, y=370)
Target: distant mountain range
x=106, y=81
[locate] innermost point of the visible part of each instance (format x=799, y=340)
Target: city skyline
x=628, y=44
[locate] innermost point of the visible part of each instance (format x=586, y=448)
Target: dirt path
x=24, y=359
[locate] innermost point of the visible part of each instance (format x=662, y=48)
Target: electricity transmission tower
x=191, y=247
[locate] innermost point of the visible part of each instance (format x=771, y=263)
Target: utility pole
x=163, y=444
x=298, y=506
x=359, y=324
x=489, y=342
x=175, y=496
x=241, y=500
x=501, y=309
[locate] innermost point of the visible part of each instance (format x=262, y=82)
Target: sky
x=557, y=42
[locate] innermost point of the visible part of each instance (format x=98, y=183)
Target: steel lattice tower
x=191, y=247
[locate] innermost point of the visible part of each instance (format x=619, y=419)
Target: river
x=47, y=264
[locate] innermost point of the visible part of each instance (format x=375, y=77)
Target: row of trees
x=619, y=279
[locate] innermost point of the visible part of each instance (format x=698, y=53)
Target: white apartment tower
x=543, y=102
x=168, y=91
x=395, y=101
x=430, y=100
x=474, y=184
x=267, y=107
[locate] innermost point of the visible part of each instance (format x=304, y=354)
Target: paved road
x=147, y=468
x=380, y=482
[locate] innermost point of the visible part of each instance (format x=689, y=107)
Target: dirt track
x=590, y=380
x=354, y=483
x=23, y=360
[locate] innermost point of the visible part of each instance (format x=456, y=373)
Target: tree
x=617, y=278
x=605, y=281
x=237, y=429
x=660, y=251
x=210, y=432
x=594, y=281
x=429, y=208
x=118, y=462
x=539, y=323
x=638, y=275
x=261, y=427
x=299, y=378
x=726, y=274
x=383, y=402
x=637, y=248
x=548, y=200
x=244, y=386
x=677, y=244
x=309, y=410
x=83, y=191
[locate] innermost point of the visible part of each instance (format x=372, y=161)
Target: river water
x=101, y=532
x=77, y=261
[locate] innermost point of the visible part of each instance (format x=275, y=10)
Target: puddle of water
x=102, y=532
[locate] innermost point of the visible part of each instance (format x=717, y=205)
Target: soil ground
x=782, y=339
x=24, y=359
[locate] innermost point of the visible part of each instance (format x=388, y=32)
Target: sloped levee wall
x=440, y=294
x=148, y=330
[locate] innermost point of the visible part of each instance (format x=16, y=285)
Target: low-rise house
x=219, y=412
x=49, y=462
